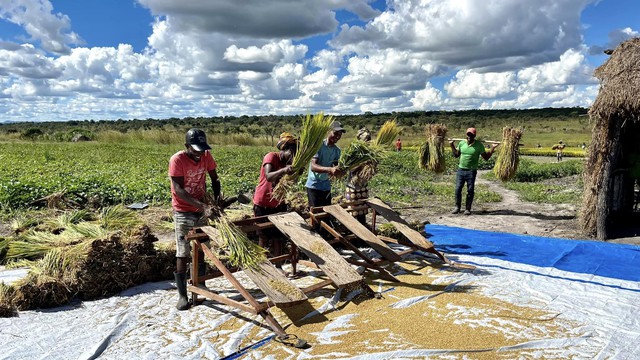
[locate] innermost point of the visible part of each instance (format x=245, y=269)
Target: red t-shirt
x=262, y=195
x=195, y=178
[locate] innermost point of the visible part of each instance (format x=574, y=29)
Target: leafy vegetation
x=529, y=181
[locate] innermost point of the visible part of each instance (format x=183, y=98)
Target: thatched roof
x=620, y=83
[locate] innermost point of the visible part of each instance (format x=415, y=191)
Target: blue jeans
x=468, y=176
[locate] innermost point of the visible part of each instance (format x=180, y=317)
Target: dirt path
x=509, y=215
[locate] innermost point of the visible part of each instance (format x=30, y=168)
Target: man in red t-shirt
x=188, y=171
x=274, y=166
x=398, y=145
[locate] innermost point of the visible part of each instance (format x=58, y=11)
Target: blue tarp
x=581, y=256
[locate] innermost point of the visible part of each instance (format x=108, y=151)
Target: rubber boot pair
x=181, y=284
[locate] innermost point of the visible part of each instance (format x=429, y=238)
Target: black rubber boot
x=181, y=284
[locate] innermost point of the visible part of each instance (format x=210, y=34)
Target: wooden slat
x=270, y=280
x=275, y=285
x=399, y=223
x=362, y=232
x=316, y=248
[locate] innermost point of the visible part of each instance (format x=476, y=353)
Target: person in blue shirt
x=323, y=164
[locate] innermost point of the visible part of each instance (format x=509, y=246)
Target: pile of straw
x=85, y=259
x=388, y=134
x=239, y=250
x=432, y=150
x=314, y=131
x=508, y=154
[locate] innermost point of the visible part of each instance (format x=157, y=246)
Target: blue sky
x=126, y=59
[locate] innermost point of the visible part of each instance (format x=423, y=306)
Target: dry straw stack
x=432, y=150
x=313, y=132
x=84, y=259
x=508, y=154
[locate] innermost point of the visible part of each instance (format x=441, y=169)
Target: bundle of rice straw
x=314, y=131
x=432, y=150
x=240, y=251
x=388, y=134
x=362, y=159
x=508, y=154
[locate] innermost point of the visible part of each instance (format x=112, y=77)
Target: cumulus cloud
x=491, y=37
x=469, y=84
x=42, y=25
x=257, y=18
x=208, y=58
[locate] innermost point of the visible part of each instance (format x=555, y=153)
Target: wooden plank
x=267, y=278
x=399, y=223
x=275, y=285
x=362, y=232
x=316, y=248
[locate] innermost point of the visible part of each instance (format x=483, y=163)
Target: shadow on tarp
x=610, y=260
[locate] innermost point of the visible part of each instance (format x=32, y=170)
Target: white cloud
x=469, y=84
x=42, y=25
x=487, y=36
x=228, y=57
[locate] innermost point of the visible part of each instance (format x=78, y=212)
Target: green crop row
x=105, y=173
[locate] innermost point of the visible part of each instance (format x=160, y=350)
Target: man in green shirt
x=469, y=152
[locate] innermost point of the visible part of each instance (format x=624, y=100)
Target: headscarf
x=286, y=139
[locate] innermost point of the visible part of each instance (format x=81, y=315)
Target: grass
x=530, y=176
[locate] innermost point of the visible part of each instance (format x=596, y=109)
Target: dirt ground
x=509, y=215
x=512, y=215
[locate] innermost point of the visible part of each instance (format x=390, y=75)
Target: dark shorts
x=318, y=197
x=263, y=211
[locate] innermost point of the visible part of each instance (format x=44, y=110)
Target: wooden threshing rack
x=279, y=289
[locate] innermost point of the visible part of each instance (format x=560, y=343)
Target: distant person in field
x=274, y=166
x=469, y=152
x=188, y=171
x=323, y=164
x=559, y=148
x=398, y=145
x=355, y=188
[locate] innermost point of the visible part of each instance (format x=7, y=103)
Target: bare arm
x=331, y=170
x=215, y=184
x=455, y=151
x=178, y=185
x=487, y=155
x=273, y=176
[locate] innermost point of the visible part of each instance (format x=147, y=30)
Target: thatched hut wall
x=615, y=114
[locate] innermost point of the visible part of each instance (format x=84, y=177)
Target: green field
x=104, y=174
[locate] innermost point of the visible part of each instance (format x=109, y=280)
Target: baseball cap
x=471, y=131
x=197, y=139
x=337, y=126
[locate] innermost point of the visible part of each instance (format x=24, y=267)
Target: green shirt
x=469, y=154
